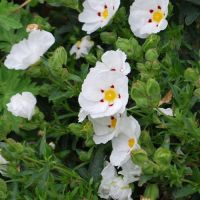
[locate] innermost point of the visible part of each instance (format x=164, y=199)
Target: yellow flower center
x=78, y=44
x=110, y=95
x=105, y=13
x=131, y=142
x=158, y=16
x=113, y=122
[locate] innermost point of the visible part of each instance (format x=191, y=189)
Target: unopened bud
x=32, y=27
x=151, y=192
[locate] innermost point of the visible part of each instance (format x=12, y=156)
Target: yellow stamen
x=105, y=13
x=158, y=16
x=113, y=122
x=78, y=44
x=131, y=142
x=110, y=95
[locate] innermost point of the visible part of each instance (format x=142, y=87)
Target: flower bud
x=151, y=42
x=191, y=74
x=131, y=48
x=153, y=90
x=152, y=191
x=100, y=52
x=89, y=142
x=155, y=65
x=147, y=143
x=139, y=157
x=91, y=59
x=162, y=156
x=148, y=168
x=151, y=55
x=85, y=156
x=108, y=37
x=32, y=27
x=197, y=93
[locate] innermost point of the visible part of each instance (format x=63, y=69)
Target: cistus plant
x=99, y=99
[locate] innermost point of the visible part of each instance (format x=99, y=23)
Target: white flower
x=108, y=174
x=82, y=115
x=82, y=47
x=166, y=111
x=120, y=189
x=113, y=61
x=130, y=171
x=103, y=94
x=52, y=145
x=147, y=17
x=106, y=128
x=28, y=51
x=97, y=13
x=22, y=105
x=125, y=142
x=113, y=185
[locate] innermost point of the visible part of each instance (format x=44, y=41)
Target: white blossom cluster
x=22, y=55
x=104, y=94
x=103, y=99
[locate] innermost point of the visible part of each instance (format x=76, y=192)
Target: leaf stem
x=22, y=5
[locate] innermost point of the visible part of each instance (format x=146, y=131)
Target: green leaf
x=96, y=165
x=184, y=191
x=74, y=4
x=9, y=19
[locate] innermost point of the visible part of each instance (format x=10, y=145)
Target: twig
x=22, y=5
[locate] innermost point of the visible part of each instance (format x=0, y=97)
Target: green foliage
x=68, y=3
x=169, y=60
x=9, y=18
x=3, y=189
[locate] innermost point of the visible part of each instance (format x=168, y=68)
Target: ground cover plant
x=99, y=99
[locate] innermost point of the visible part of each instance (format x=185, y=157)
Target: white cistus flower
x=113, y=186
x=28, y=51
x=147, y=17
x=97, y=13
x=82, y=47
x=130, y=171
x=113, y=61
x=106, y=128
x=22, y=105
x=103, y=94
x=166, y=111
x=126, y=141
